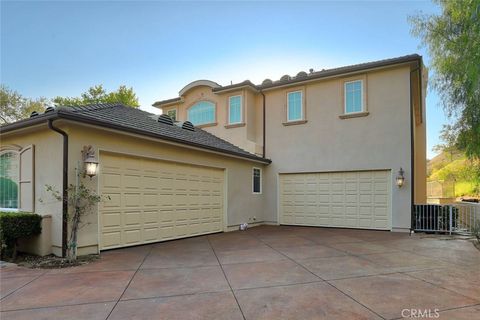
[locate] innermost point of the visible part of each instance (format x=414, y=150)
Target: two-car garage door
x=358, y=199
x=153, y=200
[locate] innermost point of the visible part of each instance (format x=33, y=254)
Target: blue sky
x=62, y=48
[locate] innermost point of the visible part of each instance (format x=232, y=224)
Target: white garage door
x=338, y=199
x=152, y=200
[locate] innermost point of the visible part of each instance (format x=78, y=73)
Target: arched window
x=9, y=179
x=202, y=112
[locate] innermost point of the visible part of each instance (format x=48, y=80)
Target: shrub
x=16, y=225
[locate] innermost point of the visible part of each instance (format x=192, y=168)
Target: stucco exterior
x=241, y=205
x=388, y=135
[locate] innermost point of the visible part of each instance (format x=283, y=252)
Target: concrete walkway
x=264, y=273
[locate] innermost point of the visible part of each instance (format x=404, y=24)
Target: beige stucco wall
x=241, y=204
x=420, y=136
x=48, y=164
x=380, y=140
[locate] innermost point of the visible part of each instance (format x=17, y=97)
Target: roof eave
x=343, y=72
x=168, y=103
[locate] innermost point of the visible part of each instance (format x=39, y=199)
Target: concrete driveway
x=264, y=273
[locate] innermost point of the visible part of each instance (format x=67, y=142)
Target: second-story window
x=172, y=114
x=294, y=106
x=353, y=96
x=202, y=112
x=234, y=110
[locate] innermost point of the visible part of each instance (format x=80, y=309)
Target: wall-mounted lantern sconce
x=400, y=179
x=89, y=161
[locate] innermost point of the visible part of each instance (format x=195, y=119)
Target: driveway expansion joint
x=226, y=279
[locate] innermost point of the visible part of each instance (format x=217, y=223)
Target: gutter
x=264, y=123
x=64, y=186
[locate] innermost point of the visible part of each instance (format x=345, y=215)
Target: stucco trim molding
x=235, y=125
x=213, y=124
x=198, y=83
x=354, y=115
x=293, y=123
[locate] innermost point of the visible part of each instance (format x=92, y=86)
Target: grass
x=463, y=188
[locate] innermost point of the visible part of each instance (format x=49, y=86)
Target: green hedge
x=16, y=225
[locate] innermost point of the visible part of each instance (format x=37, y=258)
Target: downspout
x=264, y=124
x=64, y=186
x=412, y=148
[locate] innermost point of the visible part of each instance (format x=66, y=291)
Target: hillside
x=453, y=165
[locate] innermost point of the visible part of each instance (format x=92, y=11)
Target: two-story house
x=343, y=147
x=337, y=140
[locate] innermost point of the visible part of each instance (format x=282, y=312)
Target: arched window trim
x=16, y=150
x=214, y=112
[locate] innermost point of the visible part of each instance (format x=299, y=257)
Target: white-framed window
x=294, y=106
x=235, y=109
x=9, y=179
x=257, y=180
x=353, y=96
x=172, y=113
x=202, y=112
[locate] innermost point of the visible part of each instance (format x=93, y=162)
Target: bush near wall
x=14, y=226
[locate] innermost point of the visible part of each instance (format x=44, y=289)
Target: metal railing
x=459, y=218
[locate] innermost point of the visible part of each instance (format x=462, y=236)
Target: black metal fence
x=452, y=218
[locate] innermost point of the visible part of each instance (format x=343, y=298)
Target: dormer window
x=235, y=110
x=172, y=113
x=201, y=113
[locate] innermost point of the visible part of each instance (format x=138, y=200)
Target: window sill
x=235, y=125
x=293, y=123
x=354, y=115
x=9, y=210
x=213, y=124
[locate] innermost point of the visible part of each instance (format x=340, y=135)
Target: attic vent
x=301, y=74
x=33, y=114
x=49, y=109
x=267, y=81
x=165, y=118
x=285, y=78
x=187, y=125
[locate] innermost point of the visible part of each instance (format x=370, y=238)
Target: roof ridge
x=90, y=107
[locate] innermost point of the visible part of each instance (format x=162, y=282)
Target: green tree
x=453, y=41
x=97, y=94
x=14, y=107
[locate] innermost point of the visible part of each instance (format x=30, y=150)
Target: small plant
x=14, y=226
x=80, y=201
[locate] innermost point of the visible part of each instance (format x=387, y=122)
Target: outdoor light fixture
x=400, y=179
x=89, y=161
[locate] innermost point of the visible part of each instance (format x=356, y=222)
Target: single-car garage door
x=153, y=200
x=336, y=199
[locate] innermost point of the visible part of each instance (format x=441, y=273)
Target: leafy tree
x=97, y=94
x=453, y=41
x=14, y=107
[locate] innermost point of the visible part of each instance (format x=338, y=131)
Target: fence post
x=450, y=211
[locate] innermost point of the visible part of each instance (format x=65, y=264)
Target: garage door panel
x=152, y=200
x=341, y=199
